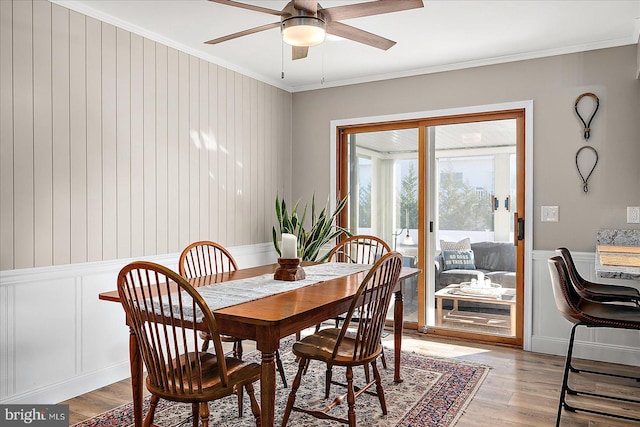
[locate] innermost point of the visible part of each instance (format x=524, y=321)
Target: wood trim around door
x=421, y=124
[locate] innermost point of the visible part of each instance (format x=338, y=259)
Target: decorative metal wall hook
x=585, y=184
x=587, y=125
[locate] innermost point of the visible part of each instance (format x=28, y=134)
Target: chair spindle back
x=164, y=327
x=359, y=249
x=205, y=258
x=371, y=303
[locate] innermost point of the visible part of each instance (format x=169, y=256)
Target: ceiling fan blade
x=378, y=7
x=243, y=33
x=358, y=35
x=299, y=52
x=310, y=6
x=248, y=6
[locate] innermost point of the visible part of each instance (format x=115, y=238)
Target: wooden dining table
x=267, y=320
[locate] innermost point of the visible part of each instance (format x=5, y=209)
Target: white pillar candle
x=480, y=277
x=289, y=246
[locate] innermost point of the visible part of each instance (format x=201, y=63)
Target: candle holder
x=289, y=270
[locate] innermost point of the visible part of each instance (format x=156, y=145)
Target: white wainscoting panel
x=57, y=340
x=550, y=331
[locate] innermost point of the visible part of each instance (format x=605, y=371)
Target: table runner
x=233, y=292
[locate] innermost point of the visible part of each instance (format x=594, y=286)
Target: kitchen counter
x=618, y=254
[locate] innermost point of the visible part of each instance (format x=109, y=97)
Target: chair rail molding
x=550, y=331
x=51, y=316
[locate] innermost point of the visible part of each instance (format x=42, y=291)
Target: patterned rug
x=435, y=392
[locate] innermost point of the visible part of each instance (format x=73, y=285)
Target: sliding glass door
x=382, y=183
x=445, y=192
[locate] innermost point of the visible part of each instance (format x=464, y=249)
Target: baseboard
x=624, y=355
x=73, y=387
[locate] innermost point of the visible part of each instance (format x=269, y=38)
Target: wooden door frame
x=522, y=338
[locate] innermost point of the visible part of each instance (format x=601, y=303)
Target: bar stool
x=597, y=291
x=592, y=314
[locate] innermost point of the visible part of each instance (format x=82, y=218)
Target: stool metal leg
x=565, y=374
x=566, y=389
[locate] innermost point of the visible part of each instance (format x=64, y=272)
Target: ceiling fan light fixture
x=303, y=31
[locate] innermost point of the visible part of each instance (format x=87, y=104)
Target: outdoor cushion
x=462, y=245
x=458, y=260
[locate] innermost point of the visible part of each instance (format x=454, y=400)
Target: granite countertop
x=617, y=238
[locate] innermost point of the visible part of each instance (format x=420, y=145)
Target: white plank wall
x=114, y=146
x=6, y=136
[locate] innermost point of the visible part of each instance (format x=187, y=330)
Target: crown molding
x=81, y=7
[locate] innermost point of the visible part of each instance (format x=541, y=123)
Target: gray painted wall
x=114, y=146
x=553, y=84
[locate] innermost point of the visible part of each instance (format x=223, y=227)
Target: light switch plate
x=633, y=215
x=549, y=214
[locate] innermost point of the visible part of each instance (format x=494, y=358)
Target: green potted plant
x=321, y=231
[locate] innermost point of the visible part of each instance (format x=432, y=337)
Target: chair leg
x=204, y=414
x=384, y=359
x=327, y=385
x=566, y=389
x=195, y=414
x=153, y=404
x=237, y=349
x=379, y=389
x=281, y=369
x=205, y=345
x=255, y=409
x=351, y=398
x=240, y=394
x=294, y=388
x=565, y=374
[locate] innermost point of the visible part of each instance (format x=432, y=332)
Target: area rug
x=435, y=392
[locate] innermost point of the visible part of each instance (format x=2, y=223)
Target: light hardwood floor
x=521, y=389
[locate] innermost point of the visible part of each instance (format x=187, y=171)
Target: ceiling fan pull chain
x=282, y=60
x=322, y=78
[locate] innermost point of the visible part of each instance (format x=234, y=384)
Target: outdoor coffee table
x=501, y=296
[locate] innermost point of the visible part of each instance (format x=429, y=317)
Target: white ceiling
x=444, y=35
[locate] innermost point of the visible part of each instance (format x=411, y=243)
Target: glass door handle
x=518, y=229
x=495, y=203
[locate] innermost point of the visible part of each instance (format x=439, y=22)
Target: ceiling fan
x=303, y=23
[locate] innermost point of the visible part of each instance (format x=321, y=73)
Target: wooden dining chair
x=358, y=249
x=348, y=348
x=597, y=291
x=205, y=258
x=592, y=314
x=162, y=311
